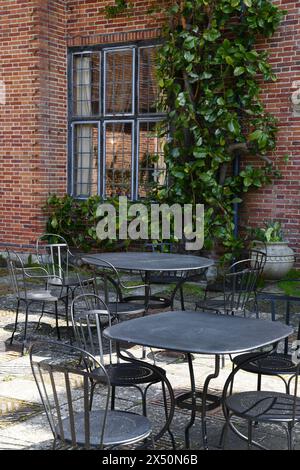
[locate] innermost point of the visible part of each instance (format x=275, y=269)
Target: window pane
x=148, y=89
x=85, y=160
x=119, y=82
x=86, y=84
x=118, y=153
x=152, y=167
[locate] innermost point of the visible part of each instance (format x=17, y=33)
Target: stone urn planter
x=280, y=259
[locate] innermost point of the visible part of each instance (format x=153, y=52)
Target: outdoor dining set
x=105, y=318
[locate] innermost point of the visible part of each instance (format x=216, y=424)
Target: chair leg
x=259, y=377
x=25, y=330
x=290, y=436
x=113, y=397
x=67, y=316
x=250, y=434
x=231, y=385
x=224, y=433
x=16, y=322
x=182, y=298
x=56, y=321
x=93, y=385
x=67, y=309
x=166, y=415
x=42, y=314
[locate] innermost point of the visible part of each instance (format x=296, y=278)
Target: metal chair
x=65, y=376
x=239, y=284
x=22, y=279
x=107, y=283
x=260, y=407
x=258, y=260
x=171, y=277
x=90, y=316
x=54, y=255
x=278, y=364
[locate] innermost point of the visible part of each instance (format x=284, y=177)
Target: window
x=114, y=144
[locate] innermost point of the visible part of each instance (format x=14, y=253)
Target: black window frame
x=103, y=119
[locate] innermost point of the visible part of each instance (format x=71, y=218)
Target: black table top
x=199, y=332
x=148, y=261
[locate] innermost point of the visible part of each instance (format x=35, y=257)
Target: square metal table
x=199, y=333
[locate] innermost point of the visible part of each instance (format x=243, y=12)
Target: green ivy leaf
x=239, y=71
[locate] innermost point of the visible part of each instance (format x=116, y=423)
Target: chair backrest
x=64, y=380
x=107, y=281
x=90, y=316
x=16, y=272
x=53, y=255
x=240, y=282
x=20, y=276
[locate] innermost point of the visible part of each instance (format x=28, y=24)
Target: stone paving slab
x=23, y=424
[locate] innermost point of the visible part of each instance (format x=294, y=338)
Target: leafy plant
x=76, y=220
x=270, y=233
x=208, y=71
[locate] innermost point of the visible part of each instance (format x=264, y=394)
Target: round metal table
x=149, y=262
x=199, y=333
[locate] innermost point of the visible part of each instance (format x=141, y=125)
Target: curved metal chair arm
x=29, y=272
x=229, y=382
x=114, y=270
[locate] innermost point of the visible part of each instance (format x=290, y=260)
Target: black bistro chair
x=176, y=278
x=258, y=261
x=90, y=315
x=65, y=376
x=54, y=255
x=239, y=285
x=31, y=285
x=107, y=283
x=280, y=363
x=258, y=406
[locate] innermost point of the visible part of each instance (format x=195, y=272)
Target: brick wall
x=281, y=201
x=34, y=36
x=33, y=118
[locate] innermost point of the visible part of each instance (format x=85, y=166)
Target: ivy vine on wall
x=209, y=71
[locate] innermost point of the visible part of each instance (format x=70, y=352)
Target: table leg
x=147, y=291
x=205, y=398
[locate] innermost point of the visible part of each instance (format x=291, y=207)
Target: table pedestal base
x=186, y=401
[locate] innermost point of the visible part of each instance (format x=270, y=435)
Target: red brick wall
x=33, y=129
x=33, y=119
x=281, y=201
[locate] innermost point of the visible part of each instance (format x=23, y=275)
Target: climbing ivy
x=209, y=71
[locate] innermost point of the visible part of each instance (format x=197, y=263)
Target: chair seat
x=125, y=374
x=39, y=295
x=263, y=406
x=125, y=308
x=70, y=281
x=121, y=428
x=274, y=364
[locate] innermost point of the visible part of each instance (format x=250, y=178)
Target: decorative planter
x=280, y=259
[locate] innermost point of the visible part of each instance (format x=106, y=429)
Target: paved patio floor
x=23, y=424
